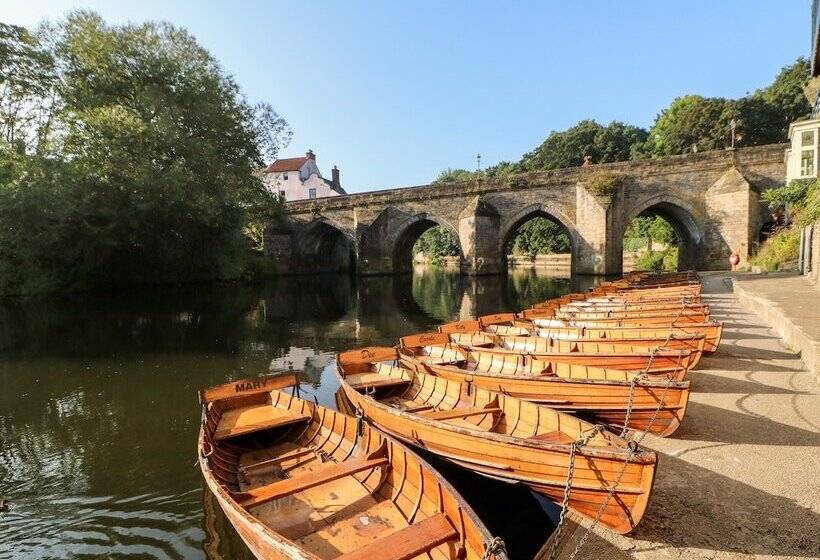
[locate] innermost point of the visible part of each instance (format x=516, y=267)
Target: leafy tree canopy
x=587, y=138
x=540, y=236
x=127, y=156
x=435, y=243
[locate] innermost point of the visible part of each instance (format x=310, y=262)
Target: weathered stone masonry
x=712, y=199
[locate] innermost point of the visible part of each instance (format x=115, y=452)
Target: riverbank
x=739, y=479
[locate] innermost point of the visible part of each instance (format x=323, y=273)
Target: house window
x=311, y=193
x=807, y=138
x=285, y=175
x=807, y=163
x=282, y=195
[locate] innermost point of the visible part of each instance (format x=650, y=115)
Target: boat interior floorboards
x=329, y=520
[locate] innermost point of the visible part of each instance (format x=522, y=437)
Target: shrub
x=801, y=196
x=658, y=261
x=604, y=184
x=780, y=249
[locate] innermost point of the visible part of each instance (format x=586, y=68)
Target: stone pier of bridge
x=711, y=199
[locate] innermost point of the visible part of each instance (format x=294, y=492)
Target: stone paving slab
x=741, y=478
x=790, y=305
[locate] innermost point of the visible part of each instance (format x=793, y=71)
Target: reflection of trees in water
x=438, y=292
x=525, y=286
x=210, y=319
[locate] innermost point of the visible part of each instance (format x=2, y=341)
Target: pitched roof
x=334, y=187
x=288, y=164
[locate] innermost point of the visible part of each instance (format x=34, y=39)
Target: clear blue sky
x=395, y=92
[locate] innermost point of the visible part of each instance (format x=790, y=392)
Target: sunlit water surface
x=99, y=415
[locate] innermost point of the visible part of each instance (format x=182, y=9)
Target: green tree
x=435, y=243
x=643, y=230
x=540, y=236
x=454, y=176
x=760, y=118
x=691, y=121
x=567, y=149
x=151, y=174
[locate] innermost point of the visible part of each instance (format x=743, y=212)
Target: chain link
x=633, y=448
x=582, y=440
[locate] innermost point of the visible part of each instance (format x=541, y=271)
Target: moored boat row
x=557, y=397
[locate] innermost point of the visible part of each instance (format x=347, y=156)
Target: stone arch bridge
x=712, y=200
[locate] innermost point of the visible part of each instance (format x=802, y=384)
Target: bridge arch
x=323, y=245
x=511, y=225
x=408, y=233
x=386, y=245
x=680, y=214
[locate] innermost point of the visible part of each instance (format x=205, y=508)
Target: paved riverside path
x=741, y=477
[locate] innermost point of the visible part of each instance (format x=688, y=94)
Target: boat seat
x=372, y=379
x=254, y=418
x=328, y=472
x=458, y=413
x=410, y=542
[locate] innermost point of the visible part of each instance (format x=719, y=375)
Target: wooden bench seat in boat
x=385, y=375
x=326, y=473
x=409, y=542
x=254, y=418
x=459, y=413
x=371, y=379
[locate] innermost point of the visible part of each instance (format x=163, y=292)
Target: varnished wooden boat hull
x=657, y=321
x=711, y=332
x=690, y=349
x=661, y=362
x=417, y=502
x=684, y=356
x=604, y=401
x=541, y=466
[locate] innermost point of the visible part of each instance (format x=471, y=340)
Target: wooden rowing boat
x=673, y=315
x=543, y=319
x=299, y=481
x=695, y=343
x=690, y=350
x=500, y=436
x=629, y=359
x=603, y=394
x=509, y=323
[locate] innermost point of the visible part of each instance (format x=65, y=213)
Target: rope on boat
x=493, y=548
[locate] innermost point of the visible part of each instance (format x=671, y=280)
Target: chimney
x=335, y=173
x=310, y=155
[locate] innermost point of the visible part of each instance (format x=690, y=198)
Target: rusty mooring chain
x=633, y=450
x=582, y=440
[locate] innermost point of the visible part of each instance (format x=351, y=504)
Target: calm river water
x=99, y=415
